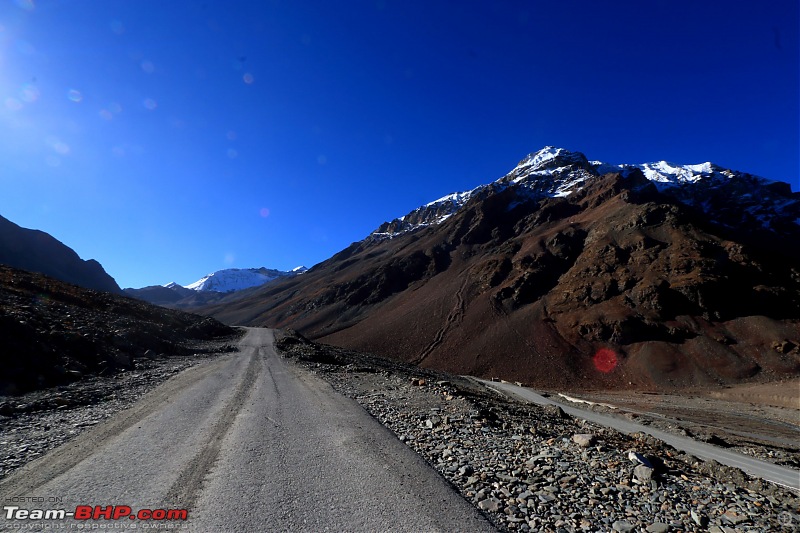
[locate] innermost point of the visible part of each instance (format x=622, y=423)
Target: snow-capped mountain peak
x=557, y=172
x=551, y=157
x=235, y=279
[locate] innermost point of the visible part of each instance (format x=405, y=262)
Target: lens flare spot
x=605, y=360
x=58, y=146
x=106, y=114
x=233, y=154
x=29, y=93
x=248, y=78
x=231, y=135
x=264, y=212
x=229, y=258
x=53, y=161
x=150, y=104
x=74, y=96
x=13, y=104
x=147, y=67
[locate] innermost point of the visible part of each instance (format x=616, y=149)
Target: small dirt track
x=780, y=475
x=248, y=442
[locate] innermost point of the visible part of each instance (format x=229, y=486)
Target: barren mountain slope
x=616, y=284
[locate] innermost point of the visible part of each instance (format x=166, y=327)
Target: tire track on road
x=35, y=474
x=184, y=491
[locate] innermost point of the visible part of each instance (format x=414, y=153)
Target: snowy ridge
x=550, y=157
x=235, y=279
x=556, y=172
x=664, y=174
x=457, y=198
x=432, y=213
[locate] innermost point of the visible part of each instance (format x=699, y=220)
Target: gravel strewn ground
x=532, y=469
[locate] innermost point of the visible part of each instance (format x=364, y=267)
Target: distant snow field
x=236, y=279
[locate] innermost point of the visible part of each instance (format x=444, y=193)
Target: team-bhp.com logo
x=96, y=512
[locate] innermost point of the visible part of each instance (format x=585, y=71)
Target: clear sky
x=169, y=139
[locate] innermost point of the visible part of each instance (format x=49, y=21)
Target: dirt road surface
x=246, y=442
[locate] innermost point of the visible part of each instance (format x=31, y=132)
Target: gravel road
x=246, y=442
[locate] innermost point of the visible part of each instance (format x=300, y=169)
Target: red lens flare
x=605, y=360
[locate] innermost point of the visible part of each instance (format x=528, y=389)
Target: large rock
x=584, y=440
x=643, y=473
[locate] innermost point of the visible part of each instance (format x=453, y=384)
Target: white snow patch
x=235, y=279
x=548, y=153
x=456, y=198
x=664, y=172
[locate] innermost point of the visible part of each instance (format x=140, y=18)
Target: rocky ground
x=527, y=468
x=535, y=469
x=31, y=424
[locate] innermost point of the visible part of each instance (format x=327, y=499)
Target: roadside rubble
x=534, y=469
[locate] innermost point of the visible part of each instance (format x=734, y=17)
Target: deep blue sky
x=168, y=139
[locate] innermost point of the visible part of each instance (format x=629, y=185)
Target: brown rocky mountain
x=177, y=297
x=54, y=333
x=569, y=273
x=38, y=251
x=160, y=295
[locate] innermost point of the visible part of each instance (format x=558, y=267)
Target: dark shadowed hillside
x=54, y=332
x=38, y=251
